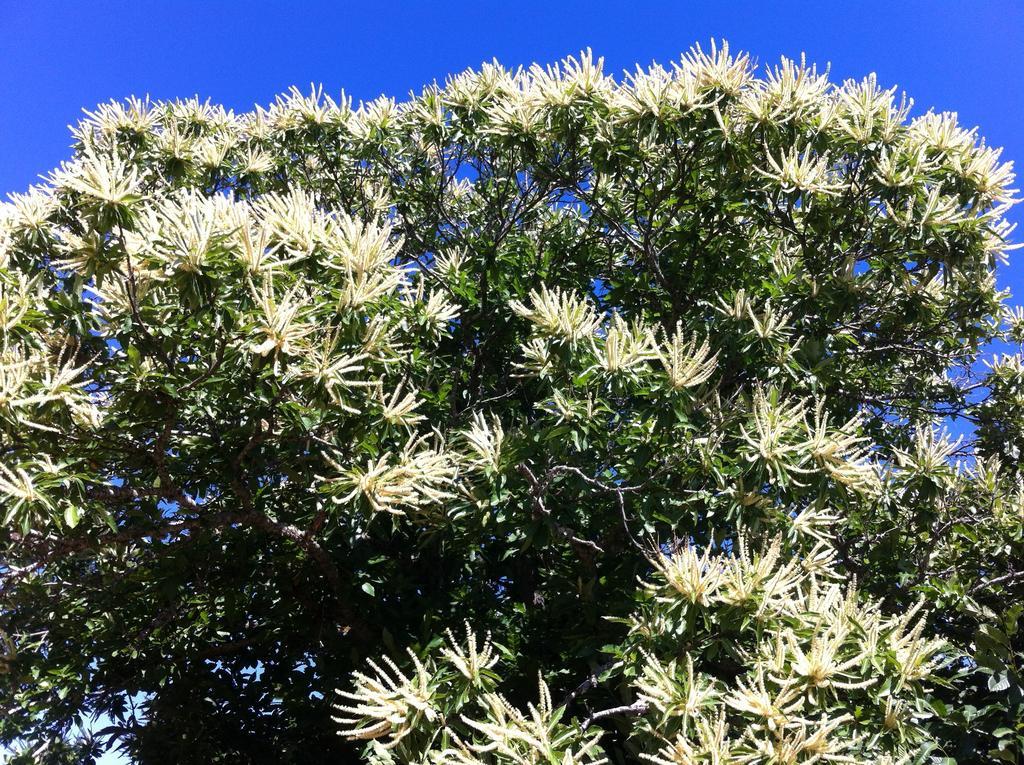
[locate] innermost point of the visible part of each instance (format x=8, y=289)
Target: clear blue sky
x=58, y=56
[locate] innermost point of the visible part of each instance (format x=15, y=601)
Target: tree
x=546, y=417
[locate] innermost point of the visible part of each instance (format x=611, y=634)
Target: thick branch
x=537, y=491
x=629, y=710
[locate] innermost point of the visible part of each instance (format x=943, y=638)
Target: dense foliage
x=547, y=417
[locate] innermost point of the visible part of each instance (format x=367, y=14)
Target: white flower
x=624, y=347
x=471, y=660
x=841, y=453
x=572, y=80
x=333, y=370
x=110, y=187
x=136, y=116
x=716, y=69
x=753, y=697
x=867, y=112
x=533, y=737
x=399, y=409
x=693, y=577
x=388, y=704
x=775, y=439
x=563, y=316
x=538, y=360
x=359, y=248
x=686, y=363
x=662, y=687
x=27, y=215
x=930, y=454
x=485, y=440
x=414, y=479
x=294, y=222
x=437, y=311
x=181, y=234
x=802, y=170
x=281, y=322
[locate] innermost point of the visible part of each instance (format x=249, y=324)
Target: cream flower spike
x=134, y=115
x=896, y=170
x=254, y=161
x=417, y=478
x=563, y=316
x=469, y=658
x=515, y=115
x=775, y=439
x=940, y=133
x=30, y=380
x=538, y=360
x=27, y=215
x=648, y=93
x=450, y=264
x=990, y=178
x=841, y=453
x=931, y=452
x=362, y=289
x=533, y=737
x=814, y=522
x=800, y=170
x=827, y=664
x=211, y=152
x=716, y=69
x=331, y=369
x=388, y=704
x=793, y=91
x=739, y=308
x=294, y=222
x=174, y=146
x=916, y=657
x=436, y=309
x=624, y=348
x=110, y=187
x=775, y=707
x=695, y=578
x=661, y=687
x=18, y=295
x=760, y=578
x=296, y=109
x=572, y=79
x=485, y=440
x=686, y=363
x=281, y=321
x=183, y=231
x=252, y=244
x=712, y=745
x=400, y=409
x=866, y=111
x=361, y=247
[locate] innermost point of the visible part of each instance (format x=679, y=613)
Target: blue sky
x=60, y=56
x=57, y=57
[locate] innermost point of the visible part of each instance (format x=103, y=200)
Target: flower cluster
x=814, y=672
x=448, y=712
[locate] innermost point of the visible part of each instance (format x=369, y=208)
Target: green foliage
x=647, y=380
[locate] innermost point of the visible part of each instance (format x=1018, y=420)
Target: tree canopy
x=544, y=417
